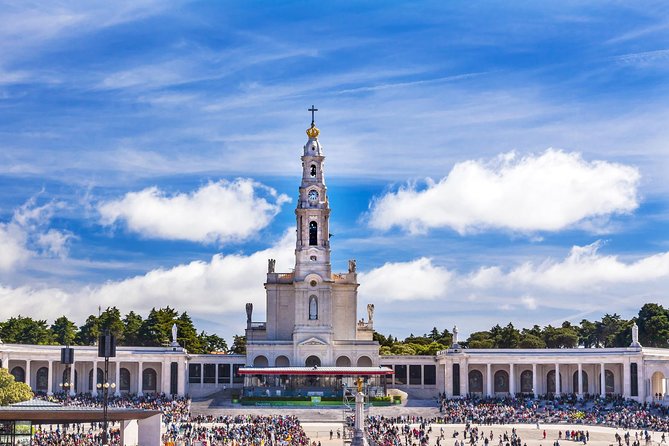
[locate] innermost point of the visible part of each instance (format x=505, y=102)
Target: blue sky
x=487, y=162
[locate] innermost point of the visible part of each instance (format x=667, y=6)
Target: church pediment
x=313, y=341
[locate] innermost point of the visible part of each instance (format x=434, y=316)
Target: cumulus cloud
x=418, y=279
x=206, y=289
x=583, y=280
x=546, y=192
x=220, y=211
x=27, y=234
x=12, y=246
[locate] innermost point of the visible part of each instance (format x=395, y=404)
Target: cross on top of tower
x=312, y=110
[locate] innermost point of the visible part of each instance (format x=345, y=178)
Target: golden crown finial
x=313, y=131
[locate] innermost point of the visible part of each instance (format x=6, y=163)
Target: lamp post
x=105, y=398
x=106, y=349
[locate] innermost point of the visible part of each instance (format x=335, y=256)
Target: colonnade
x=488, y=378
x=84, y=376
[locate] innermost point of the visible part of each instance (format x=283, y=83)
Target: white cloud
x=546, y=192
x=584, y=281
x=217, y=212
x=216, y=289
x=586, y=269
x=26, y=235
x=55, y=242
x=418, y=279
x=12, y=246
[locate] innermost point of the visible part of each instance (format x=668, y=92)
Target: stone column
x=94, y=390
x=117, y=379
x=448, y=379
x=165, y=376
x=580, y=381
x=464, y=378
x=28, y=373
x=49, y=390
x=216, y=374
x=602, y=380
x=512, y=380
x=488, y=377
x=535, y=382
x=72, y=383
x=139, y=379
x=5, y=362
x=627, y=389
x=181, y=381
x=558, y=381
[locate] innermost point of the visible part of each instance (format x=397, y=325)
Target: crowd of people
x=183, y=428
x=180, y=427
x=612, y=412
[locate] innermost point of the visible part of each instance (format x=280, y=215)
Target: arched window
x=313, y=361
x=475, y=381
x=550, y=382
x=313, y=170
x=260, y=361
x=19, y=374
x=501, y=380
x=313, y=233
x=313, y=308
x=343, y=361
x=575, y=381
x=281, y=361
x=42, y=384
x=526, y=382
x=149, y=380
x=101, y=378
x=124, y=380
x=364, y=361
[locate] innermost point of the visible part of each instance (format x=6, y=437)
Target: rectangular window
x=634, y=379
x=456, y=379
x=414, y=375
x=210, y=373
x=400, y=375
x=236, y=377
x=174, y=378
x=430, y=372
x=194, y=373
x=224, y=373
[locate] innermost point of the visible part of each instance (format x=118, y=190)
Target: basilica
x=312, y=342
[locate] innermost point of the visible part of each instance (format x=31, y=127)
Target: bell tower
x=312, y=252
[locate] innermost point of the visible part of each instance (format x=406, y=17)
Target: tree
x=89, y=332
x=238, y=345
x=587, y=334
x=156, y=329
x=12, y=392
x=188, y=334
x=212, y=343
x=481, y=339
x=507, y=337
x=528, y=340
x=64, y=331
x=608, y=329
x=110, y=320
x=653, y=326
x=25, y=330
x=131, y=332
